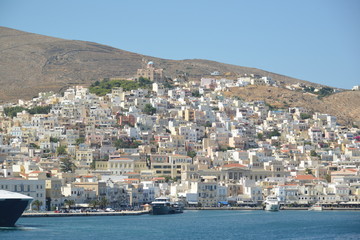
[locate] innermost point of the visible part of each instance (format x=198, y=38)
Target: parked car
x=109, y=210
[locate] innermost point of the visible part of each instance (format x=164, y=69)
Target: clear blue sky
x=313, y=40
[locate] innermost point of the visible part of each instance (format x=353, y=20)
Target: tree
x=61, y=150
x=80, y=141
x=37, y=204
x=67, y=165
x=191, y=154
x=313, y=153
x=195, y=93
x=308, y=171
x=33, y=145
x=12, y=111
x=149, y=110
x=54, y=140
x=328, y=178
x=304, y=116
x=94, y=203
x=126, y=143
x=103, y=202
x=69, y=202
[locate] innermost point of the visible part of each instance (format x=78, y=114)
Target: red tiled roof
x=234, y=165
x=306, y=177
x=158, y=178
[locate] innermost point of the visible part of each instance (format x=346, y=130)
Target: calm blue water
x=212, y=224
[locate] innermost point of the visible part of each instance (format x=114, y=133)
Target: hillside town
x=183, y=139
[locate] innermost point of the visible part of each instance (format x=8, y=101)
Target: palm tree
x=37, y=204
x=103, y=202
x=94, y=203
x=69, y=203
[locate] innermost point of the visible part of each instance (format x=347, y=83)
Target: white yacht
x=272, y=203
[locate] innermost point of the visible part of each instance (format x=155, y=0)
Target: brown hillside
x=32, y=63
x=343, y=105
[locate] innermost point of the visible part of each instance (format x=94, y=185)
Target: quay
x=134, y=213
x=83, y=214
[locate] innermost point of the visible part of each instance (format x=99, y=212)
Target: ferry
x=12, y=205
x=272, y=203
x=162, y=205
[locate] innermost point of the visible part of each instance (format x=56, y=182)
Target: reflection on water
x=18, y=228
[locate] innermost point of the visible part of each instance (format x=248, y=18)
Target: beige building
x=151, y=73
x=53, y=193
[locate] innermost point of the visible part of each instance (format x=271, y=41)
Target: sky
x=312, y=40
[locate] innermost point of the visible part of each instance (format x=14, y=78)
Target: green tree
x=325, y=91
x=304, y=116
x=54, y=140
x=61, y=150
x=126, y=143
x=69, y=202
x=308, y=171
x=40, y=109
x=33, y=145
x=80, y=140
x=191, y=154
x=328, y=178
x=37, y=204
x=273, y=133
x=94, y=203
x=196, y=93
x=313, y=153
x=149, y=110
x=67, y=165
x=12, y=111
x=103, y=202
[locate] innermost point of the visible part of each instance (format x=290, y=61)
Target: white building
x=33, y=188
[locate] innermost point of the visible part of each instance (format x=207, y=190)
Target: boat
x=272, y=203
x=12, y=205
x=163, y=205
x=316, y=207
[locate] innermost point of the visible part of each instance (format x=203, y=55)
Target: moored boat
x=272, y=203
x=12, y=205
x=163, y=205
x=316, y=207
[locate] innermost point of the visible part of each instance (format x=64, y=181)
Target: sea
x=193, y=224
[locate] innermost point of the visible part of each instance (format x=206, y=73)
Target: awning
x=224, y=202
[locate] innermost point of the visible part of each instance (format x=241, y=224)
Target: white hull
x=316, y=208
x=272, y=207
x=272, y=204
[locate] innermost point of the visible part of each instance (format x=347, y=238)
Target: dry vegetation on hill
x=343, y=105
x=32, y=63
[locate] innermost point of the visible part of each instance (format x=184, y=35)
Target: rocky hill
x=32, y=63
x=343, y=105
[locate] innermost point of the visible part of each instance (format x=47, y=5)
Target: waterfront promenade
x=130, y=213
